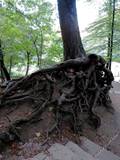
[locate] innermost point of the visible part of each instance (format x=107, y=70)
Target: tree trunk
x=72, y=43
x=37, y=53
x=2, y=75
x=41, y=49
x=3, y=68
x=110, y=42
x=10, y=67
x=28, y=63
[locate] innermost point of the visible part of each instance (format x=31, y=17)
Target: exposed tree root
x=73, y=88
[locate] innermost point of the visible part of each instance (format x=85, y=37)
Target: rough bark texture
x=111, y=34
x=73, y=46
x=2, y=65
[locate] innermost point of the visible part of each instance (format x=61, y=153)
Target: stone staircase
x=87, y=150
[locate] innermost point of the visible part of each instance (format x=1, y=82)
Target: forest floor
x=34, y=135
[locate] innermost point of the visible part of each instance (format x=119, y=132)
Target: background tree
x=4, y=72
x=34, y=33
x=99, y=32
x=111, y=34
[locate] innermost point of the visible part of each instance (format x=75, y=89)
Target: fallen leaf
x=38, y=134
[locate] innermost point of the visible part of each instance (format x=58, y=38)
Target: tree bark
x=110, y=43
x=28, y=63
x=3, y=68
x=38, y=51
x=72, y=43
x=41, y=49
x=10, y=67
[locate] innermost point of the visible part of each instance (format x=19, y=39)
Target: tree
x=72, y=43
x=33, y=34
x=99, y=32
x=2, y=65
x=111, y=34
x=70, y=90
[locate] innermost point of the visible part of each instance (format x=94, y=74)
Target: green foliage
x=98, y=32
x=27, y=26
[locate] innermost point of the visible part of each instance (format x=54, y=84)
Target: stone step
x=89, y=146
x=107, y=155
x=60, y=152
x=87, y=150
x=79, y=151
x=97, y=151
x=40, y=156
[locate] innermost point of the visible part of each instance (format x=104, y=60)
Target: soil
x=36, y=133
x=33, y=135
